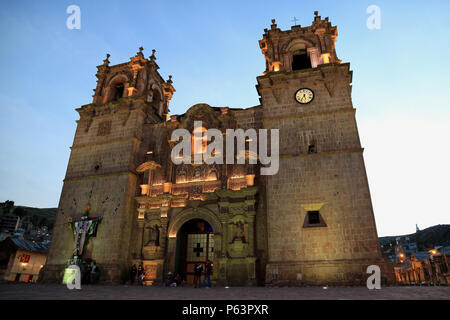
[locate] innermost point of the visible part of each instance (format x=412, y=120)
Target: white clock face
x=304, y=96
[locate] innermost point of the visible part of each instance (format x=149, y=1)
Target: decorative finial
x=316, y=13
x=140, y=54
x=106, y=61
x=170, y=79
x=153, y=57
x=274, y=25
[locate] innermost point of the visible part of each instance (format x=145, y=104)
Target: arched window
x=300, y=60
x=116, y=88
x=297, y=53
x=118, y=91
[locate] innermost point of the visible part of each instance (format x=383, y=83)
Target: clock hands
x=304, y=96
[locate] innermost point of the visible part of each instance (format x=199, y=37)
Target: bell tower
x=321, y=226
x=299, y=48
x=101, y=174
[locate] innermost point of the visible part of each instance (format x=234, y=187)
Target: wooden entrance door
x=199, y=250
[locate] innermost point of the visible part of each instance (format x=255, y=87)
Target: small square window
x=313, y=217
x=312, y=149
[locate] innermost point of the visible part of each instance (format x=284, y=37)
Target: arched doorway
x=195, y=245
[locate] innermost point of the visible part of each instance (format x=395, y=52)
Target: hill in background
x=426, y=239
x=37, y=216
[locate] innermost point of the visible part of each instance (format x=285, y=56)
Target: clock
x=304, y=96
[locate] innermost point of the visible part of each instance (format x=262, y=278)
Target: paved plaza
x=102, y=292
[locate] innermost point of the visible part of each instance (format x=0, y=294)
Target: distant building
x=9, y=223
x=399, y=251
x=21, y=260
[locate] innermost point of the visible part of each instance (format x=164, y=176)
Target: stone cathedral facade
x=311, y=223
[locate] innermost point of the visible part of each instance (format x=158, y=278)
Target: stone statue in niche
x=197, y=173
x=181, y=175
x=153, y=236
x=212, y=175
x=239, y=231
x=196, y=192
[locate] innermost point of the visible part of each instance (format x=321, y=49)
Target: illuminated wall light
x=250, y=178
x=144, y=189
x=167, y=187
x=326, y=58
x=276, y=66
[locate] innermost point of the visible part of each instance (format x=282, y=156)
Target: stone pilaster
x=163, y=236
x=251, y=233
x=140, y=238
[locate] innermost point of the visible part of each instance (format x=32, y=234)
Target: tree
x=43, y=222
x=20, y=212
x=35, y=220
x=6, y=206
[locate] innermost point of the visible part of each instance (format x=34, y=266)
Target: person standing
x=133, y=273
x=140, y=273
x=94, y=273
x=198, y=269
x=208, y=272
x=88, y=274
x=83, y=270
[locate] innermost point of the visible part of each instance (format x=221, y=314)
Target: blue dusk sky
x=400, y=84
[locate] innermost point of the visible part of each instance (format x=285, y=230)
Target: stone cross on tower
x=294, y=21
x=83, y=230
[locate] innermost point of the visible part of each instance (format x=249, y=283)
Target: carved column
x=163, y=233
x=314, y=55
x=140, y=236
x=223, y=216
x=251, y=232
x=106, y=94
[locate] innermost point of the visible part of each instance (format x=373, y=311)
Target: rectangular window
x=312, y=149
x=313, y=217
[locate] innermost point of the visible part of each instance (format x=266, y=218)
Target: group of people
x=198, y=270
x=139, y=272
x=90, y=274
x=176, y=281
x=173, y=281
